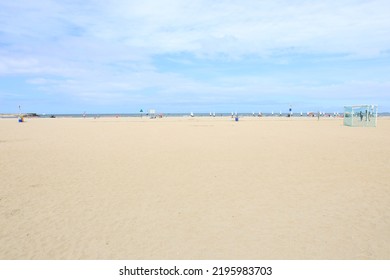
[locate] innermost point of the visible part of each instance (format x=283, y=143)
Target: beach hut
x=361, y=115
x=152, y=113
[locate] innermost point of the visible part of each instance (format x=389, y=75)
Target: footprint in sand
x=12, y=213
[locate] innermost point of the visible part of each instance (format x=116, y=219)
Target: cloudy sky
x=105, y=56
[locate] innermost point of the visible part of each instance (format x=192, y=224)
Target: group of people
x=367, y=114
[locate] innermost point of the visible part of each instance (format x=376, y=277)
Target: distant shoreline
x=92, y=115
x=17, y=115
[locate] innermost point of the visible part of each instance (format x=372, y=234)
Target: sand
x=194, y=188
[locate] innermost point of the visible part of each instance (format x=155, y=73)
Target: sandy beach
x=194, y=188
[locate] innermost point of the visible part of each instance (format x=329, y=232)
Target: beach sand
x=194, y=188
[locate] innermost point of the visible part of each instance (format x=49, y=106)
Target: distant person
x=361, y=116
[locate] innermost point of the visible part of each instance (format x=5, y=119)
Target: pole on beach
x=20, y=119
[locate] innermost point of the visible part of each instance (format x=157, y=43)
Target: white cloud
x=232, y=27
x=106, y=48
x=255, y=26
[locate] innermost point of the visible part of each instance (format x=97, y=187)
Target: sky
x=120, y=56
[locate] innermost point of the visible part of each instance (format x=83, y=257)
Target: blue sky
x=65, y=56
